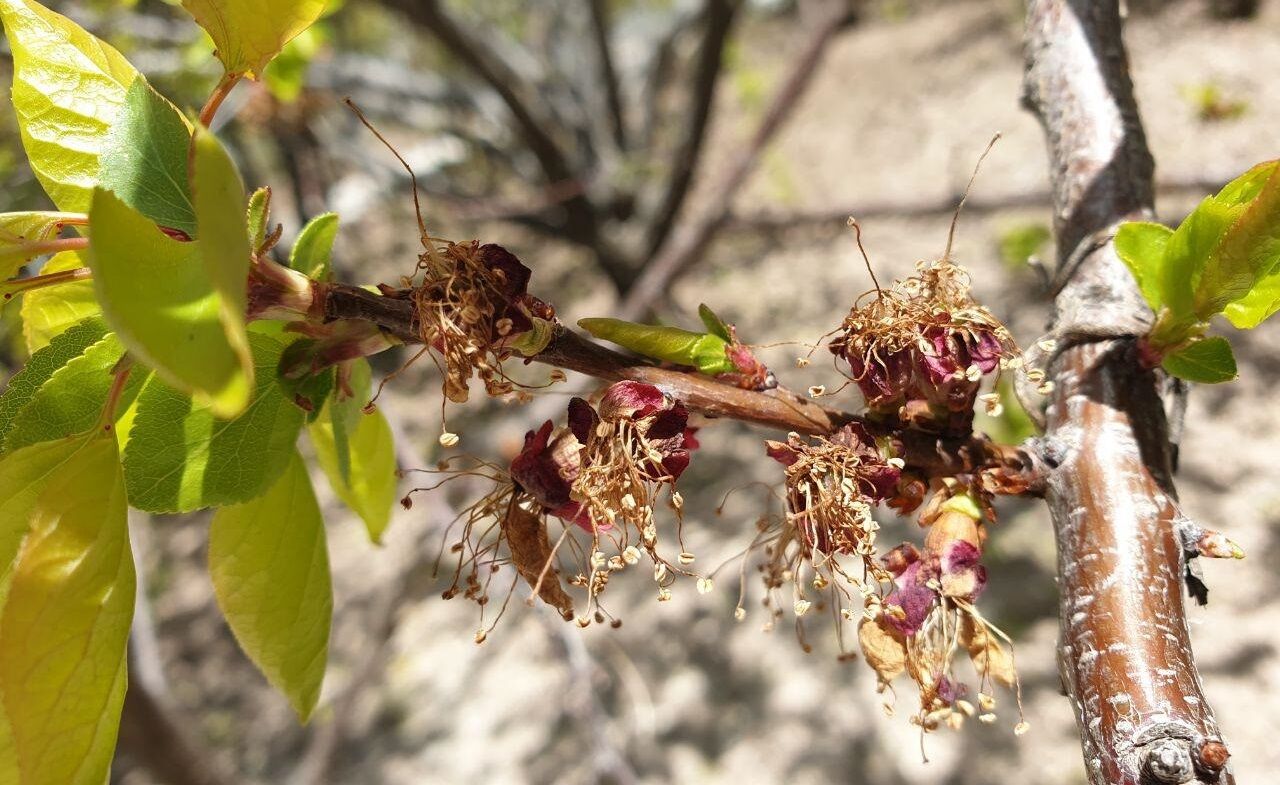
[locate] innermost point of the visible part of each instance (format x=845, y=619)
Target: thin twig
x=684, y=248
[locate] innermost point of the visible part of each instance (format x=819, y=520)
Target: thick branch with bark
x=1125, y=655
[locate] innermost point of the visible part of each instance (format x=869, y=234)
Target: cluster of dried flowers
x=919, y=353
x=919, y=350
x=473, y=310
x=605, y=474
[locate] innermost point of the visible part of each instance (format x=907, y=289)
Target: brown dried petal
x=526, y=535
x=883, y=649
x=989, y=657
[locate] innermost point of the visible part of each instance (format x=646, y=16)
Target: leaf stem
x=220, y=93
x=14, y=288
x=120, y=377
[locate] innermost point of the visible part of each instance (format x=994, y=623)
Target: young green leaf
x=249, y=33
x=71, y=401
x=367, y=481
x=1187, y=252
x=256, y=216
x=1141, y=246
x=144, y=159
x=270, y=570
x=312, y=252
x=224, y=232
x=43, y=364
x=68, y=595
x=701, y=350
x=1247, y=251
x=1208, y=361
x=158, y=294
x=23, y=237
x=50, y=310
x=181, y=457
x=714, y=324
x=68, y=89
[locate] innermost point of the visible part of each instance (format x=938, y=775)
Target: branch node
x=1168, y=761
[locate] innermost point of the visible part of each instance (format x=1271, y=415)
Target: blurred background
x=643, y=156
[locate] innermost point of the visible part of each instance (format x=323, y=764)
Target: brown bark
x=1124, y=654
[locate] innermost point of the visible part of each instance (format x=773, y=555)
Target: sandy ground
x=682, y=693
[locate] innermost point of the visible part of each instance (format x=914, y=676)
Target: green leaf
x=158, y=294
x=68, y=599
x=1209, y=361
x=270, y=570
x=72, y=399
x=1141, y=246
x=51, y=310
x=672, y=344
x=257, y=215
x=249, y=33
x=1247, y=251
x=68, y=89
x=1187, y=253
x=224, y=231
x=367, y=481
x=181, y=457
x=1247, y=186
x=345, y=412
x=42, y=365
x=715, y=325
x=312, y=252
x=23, y=237
x=144, y=159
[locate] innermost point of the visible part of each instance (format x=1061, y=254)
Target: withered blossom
x=920, y=349
x=473, y=310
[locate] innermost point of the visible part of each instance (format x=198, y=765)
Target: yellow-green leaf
x=368, y=484
x=68, y=88
x=270, y=569
x=48, y=311
x=312, y=252
x=24, y=236
x=1249, y=250
x=249, y=33
x=181, y=457
x=1140, y=245
x=1208, y=361
x=223, y=228
x=157, y=293
x=67, y=604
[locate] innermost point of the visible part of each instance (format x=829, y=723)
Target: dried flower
x=473, y=310
x=924, y=345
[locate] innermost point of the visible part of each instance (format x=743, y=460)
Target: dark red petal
x=536, y=470
x=675, y=463
x=668, y=424
x=781, y=452
x=516, y=275
x=582, y=419
x=632, y=401
x=690, y=441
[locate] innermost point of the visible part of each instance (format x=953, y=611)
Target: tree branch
x=778, y=408
x=608, y=72
x=581, y=222
x=686, y=247
x=717, y=21
x=1125, y=654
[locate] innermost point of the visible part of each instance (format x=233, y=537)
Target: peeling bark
x=1124, y=654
